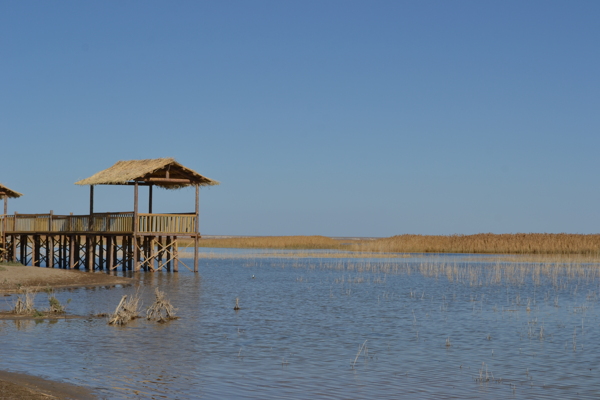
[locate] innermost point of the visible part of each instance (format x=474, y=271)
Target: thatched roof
x=9, y=193
x=163, y=172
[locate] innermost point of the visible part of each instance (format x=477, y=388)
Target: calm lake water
x=444, y=326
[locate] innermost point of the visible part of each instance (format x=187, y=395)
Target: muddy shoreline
x=20, y=386
x=16, y=278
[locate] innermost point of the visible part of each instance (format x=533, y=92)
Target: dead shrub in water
x=126, y=311
x=55, y=306
x=161, y=310
x=25, y=303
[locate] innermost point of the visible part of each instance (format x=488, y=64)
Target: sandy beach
x=16, y=278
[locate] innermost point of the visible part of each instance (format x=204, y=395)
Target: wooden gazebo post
x=89, y=239
x=197, y=228
x=136, y=264
x=150, y=199
x=4, y=255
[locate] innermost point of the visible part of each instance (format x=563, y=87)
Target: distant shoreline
x=483, y=243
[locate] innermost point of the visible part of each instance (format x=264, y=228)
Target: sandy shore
x=21, y=386
x=16, y=278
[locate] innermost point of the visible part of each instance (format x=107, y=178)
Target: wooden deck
x=100, y=223
x=100, y=241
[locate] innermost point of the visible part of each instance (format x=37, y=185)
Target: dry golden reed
x=274, y=242
x=519, y=243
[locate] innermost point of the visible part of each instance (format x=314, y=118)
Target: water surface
x=444, y=326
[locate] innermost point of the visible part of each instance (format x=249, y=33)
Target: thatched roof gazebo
x=162, y=172
x=6, y=193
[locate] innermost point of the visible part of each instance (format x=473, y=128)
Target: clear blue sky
x=340, y=118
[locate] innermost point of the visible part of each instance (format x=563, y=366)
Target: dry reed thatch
x=126, y=311
x=124, y=172
x=4, y=191
x=161, y=310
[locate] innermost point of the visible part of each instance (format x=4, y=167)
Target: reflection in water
x=449, y=327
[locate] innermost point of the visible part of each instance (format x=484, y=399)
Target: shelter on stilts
x=5, y=193
x=105, y=241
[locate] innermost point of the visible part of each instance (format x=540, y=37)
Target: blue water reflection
x=443, y=326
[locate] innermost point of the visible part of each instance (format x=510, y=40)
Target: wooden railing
x=167, y=223
x=118, y=222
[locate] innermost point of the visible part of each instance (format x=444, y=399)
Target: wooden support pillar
x=168, y=245
x=149, y=248
x=50, y=251
x=101, y=252
x=61, y=249
x=36, y=251
x=196, y=253
x=14, y=247
x=129, y=252
x=175, y=252
x=136, y=264
x=23, y=250
x=124, y=252
x=109, y=253
x=150, y=199
x=78, y=262
x=65, y=247
x=160, y=253
x=116, y=251
x=88, y=252
x=77, y=252
x=72, y=245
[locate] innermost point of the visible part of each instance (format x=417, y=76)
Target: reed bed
x=273, y=242
x=486, y=243
x=375, y=271
x=520, y=243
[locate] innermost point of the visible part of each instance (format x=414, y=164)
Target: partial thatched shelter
x=163, y=172
x=5, y=193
